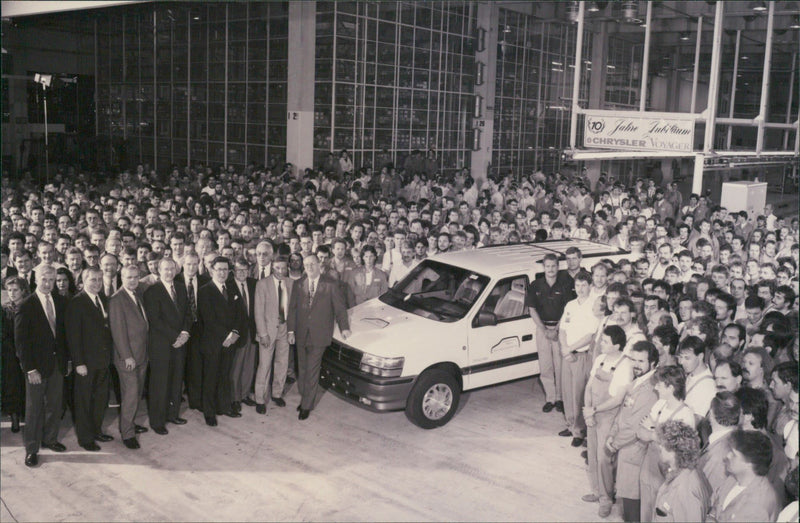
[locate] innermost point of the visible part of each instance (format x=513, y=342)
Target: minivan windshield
x=437, y=291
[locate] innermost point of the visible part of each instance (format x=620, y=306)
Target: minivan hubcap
x=437, y=401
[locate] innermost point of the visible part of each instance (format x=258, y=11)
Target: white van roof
x=502, y=259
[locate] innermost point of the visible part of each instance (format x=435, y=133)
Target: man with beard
x=622, y=440
x=664, y=261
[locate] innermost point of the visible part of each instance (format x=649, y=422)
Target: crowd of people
x=676, y=366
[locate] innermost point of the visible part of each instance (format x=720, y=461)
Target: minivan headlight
x=380, y=366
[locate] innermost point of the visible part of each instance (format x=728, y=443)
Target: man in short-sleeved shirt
x=547, y=297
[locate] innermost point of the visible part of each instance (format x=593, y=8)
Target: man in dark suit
x=90, y=344
x=112, y=282
x=193, y=375
x=170, y=318
x=129, y=331
x=315, y=303
x=23, y=267
x=221, y=321
x=244, y=358
x=41, y=346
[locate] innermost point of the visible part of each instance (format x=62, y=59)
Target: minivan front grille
x=345, y=355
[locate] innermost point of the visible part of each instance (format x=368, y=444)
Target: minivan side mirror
x=486, y=319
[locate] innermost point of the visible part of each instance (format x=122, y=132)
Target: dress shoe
x=565, y=433
x=55, y=447
x=161, y=431
x=604, y=510
x=15, y=423
x=131, y=443
x=590, y=498
x=105, y=438
x=577, y=442
x=298, y=408
x=211, y=421
x=261, y=408
x=249, y=402
x=290, y=380
x=279, y=402
x=548, y=407
x=139, y=429
x=304, y=414
x=559, y=406
x=32, y=460
x=585, y=454
x=91, y=446
x=232, y=414
x=236, y=406
x=177, y=421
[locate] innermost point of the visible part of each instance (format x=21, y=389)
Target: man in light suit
x=622, y=440
x=129, y=328
x=271, y=310
x=724, y=419
x=367, y=281
x=316, y=302
x=40, y=343
x=167, y=308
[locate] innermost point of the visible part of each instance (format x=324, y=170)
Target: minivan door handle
x=527, y=337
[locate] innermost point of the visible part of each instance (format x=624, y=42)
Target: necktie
x=141, y=308
x=99, y=305
x=172, y=293
x=281, y=314
x=51, y=314
x=225, y=291
x=244, y=297
x=263, y=272
x=192, y=302
x=310, y=292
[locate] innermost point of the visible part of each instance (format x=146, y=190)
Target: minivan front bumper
x=371, y=392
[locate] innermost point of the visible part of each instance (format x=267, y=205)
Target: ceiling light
x=758, y=7
x=593, y=7
x=795, y=22
x=507, y=29
x=611, y=66
x=685, y=35
x=745, y=57
x=572, y=11
x=556, y=63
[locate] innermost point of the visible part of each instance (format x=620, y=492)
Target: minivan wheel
x=434, y=399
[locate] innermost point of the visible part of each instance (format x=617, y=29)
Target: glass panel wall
x=533, y=92
x=397, y=76
x=193, y=83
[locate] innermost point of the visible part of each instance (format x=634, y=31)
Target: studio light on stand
x=45, y=80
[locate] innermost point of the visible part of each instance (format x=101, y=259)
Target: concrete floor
x=499, y=459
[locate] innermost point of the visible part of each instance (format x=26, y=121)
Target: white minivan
x=458, y=321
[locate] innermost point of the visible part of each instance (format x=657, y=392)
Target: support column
x=300, y=85
x=488, y=20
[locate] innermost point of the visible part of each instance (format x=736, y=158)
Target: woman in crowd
x=13, y=383
x=670, y=385
x=685, y=494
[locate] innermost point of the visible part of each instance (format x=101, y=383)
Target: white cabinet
x=744, y=196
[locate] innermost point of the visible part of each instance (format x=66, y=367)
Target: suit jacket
x=31, y=280
x=202, y=279
x=249, y=312
x=711, y=463
x=757, y=502
x=129, y=328
x=635, y=406
x=36, y=346
x=357, y=289
x=218, y=315
x=167, y=318
x=266, y=305
x=117, y=284
x=312, y=322
x=88, y=332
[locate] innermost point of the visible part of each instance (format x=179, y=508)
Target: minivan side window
x=507, y=299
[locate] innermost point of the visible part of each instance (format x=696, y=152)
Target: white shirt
x=44, y=298
x=719, y=434
x=700, y=390
x=95, y=300
x=578, y=320
x=400, y=271
x=621, y=376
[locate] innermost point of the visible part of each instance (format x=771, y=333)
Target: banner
x=638, y=133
